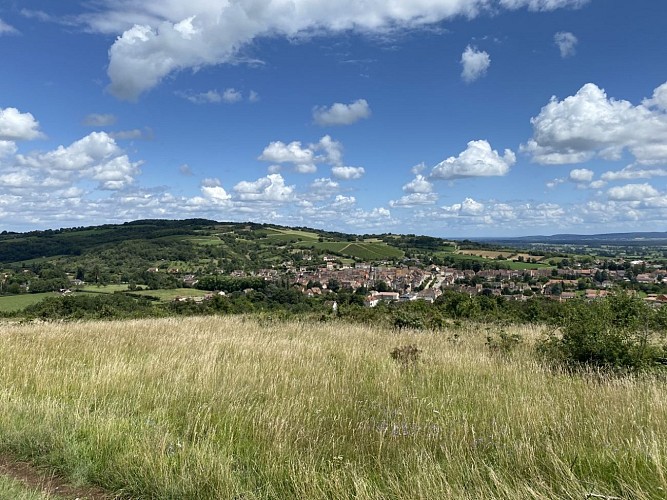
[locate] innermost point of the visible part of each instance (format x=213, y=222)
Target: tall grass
x=11, y=489
x=233, y=407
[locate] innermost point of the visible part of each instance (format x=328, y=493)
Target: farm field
x=242, y=407
x=11, y=303
x=172, y=293
x=360, y=250
x=275, y=234
x=104, y=288
x=494, y=254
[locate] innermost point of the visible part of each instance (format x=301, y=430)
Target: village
x=389, y=282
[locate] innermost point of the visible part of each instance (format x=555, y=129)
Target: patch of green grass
x=206, y=240
x=12, y=303
x=525, y=265
x=104, y=288
x=170, y=294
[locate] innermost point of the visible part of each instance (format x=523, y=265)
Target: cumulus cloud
x=324, y=184
x=99, y=120
x=332, y=149
x=158, y=38
x=213, y=190
x=414, y=199
x=348, y=173
x=302, y=158
x=342, y=114
x=478, y=160
x=269, y=188
x=475, y=64
x=96, y=157
x=590, y=124
x=305, y=158
x=581, y=175
x=632, y=192
x=17, y=126
x=467, y=207
x=7, y=148
x=419, y=184
x=566, y=43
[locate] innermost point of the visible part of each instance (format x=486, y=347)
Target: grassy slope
x=232, y=407
x=361, y=250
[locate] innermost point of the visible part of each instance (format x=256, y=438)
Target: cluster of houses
x=388, y=282
x=406, y=283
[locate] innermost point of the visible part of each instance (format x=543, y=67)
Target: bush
x=614, y=334
x=406, y=356
x=503, y=343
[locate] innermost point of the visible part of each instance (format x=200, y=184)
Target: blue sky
x=443, y=117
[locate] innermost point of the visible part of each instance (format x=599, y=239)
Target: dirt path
x=38, y=479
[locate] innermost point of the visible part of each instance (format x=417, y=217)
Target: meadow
x=255, y=408
x=12, y=303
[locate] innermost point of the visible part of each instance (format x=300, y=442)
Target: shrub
x=406, y=356
x=612, y=333
x=503, y=343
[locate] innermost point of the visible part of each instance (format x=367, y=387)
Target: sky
x=451, y=118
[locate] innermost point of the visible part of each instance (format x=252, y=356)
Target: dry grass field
x=236, y=407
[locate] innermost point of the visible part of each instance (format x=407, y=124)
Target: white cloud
x=305, y=168
x=99, y=120
x=631, y=172
x=230, y=96
x=17, y=126
x=418, y=169
x=7, y=29
x=333, y=150
x=566, y=43
x=253, y=96
x=419, y=184
x=303, y=159
x=478, y=160
x=632, y=192
x=159, y=38
x=269, y=188
x=342, y=114
x=414, y=199
x=581, y=175
x=7, y=148
x=341, y=201
x=475, y=64
x=213, y=190
x=659, y=98
x=542, y=5
x=348, y=173
x=590, y=124
x=324, y=184
x=96, y=157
